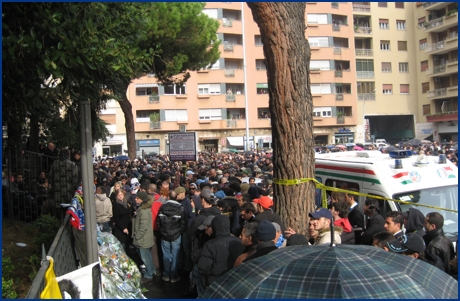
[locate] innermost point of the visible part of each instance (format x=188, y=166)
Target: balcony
x=436, y=93
x=228, y=47
x=154, y=98
x=155, y=125
x=340, y=120
x=339, y=96
x=434, y=47
x=229, y=73
x=230, y=98
x=361, y=8
x=427, y=6
x=335, y=27
x=338, y=73
x=365, y=74
x=435, y=70
x=366, y=96
x=337, y=50
x=440, y=117
x=364, y=52
x=363, y=30
x=231, y=123
x=227, y=22
x=434, y=23
x=334, y=4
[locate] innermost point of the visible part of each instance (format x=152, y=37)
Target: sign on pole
x=182, y=146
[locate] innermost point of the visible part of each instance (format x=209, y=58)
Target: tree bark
x=287, y=58
x=127, y=109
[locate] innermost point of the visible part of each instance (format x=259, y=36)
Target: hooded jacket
x=219, y=254
x=103, y=208
x=171, y=220
x=415, y=222
x=324, y=236
x=142, y=226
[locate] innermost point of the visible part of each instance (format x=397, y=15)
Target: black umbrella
x=333, y=272
x=121, y=158
x=415, y=142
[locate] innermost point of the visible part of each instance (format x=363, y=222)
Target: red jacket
x=343, y=223
x=155, y=209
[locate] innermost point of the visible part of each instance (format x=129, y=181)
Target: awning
x=112, y=142
x=146, y=85
x=262, y=86
x=235, y=141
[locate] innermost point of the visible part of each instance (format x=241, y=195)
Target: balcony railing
x=340, y=120
x=436, y=69
x=227, y=22
x=364, y=52
x=334, y=4
x=426, y=4
x=154, y=125
x=365, y=74
x=436, y=93
x=337, y=50
x=230, y=98
x=338, y=73
x=229, y=73
x=228, y=47
x=154, y=98
x=363, y=29
x=362, y=8
x=366, y=96
x=434, y=23
x=335, y=27
x=231, y=123
x=339, y=96
x=434, y=47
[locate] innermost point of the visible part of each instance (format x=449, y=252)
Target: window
x=402, y=45
x=401, y=24
x=383, y=23
x=204, y=89
x=216, y=65
x=210, y=12
x=321, y=65
x=174, y=90
x=383, y=4
x=426, y=109
x=260, y=65
x=404, y=89
x=210, y=114
x=258, y=40
x=317, y=18
x=403, y=67
x=423, y=66
x=318, y=41
x=143, y=91
x=421, y=22
x=364, y=65
x=176, y=115
x=144, y=113
x=386, y=66
x=387, y=89
x=399, y=4
x=384, y=45
x=422, y=44
x=321, y=89
x=322, y=112
x=425, y=87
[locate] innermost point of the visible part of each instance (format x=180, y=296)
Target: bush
x=8, y=289
x=7, y=267
x=47, y=227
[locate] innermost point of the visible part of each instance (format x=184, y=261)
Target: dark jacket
x=356, y=217
x=262, y=249
x=189, y=212
x=122, y=220
x=415, y=222
x=374, y=225
x=438, y=244
x=232, y=202
x=271, y=217
x=172, y=220
x=219, y=254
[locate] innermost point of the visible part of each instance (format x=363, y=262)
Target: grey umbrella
x=342, y=271
x=414, y=142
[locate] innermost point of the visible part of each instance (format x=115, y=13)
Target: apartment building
x=436, y=42
x=365, y=79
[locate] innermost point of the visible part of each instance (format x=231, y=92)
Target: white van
x=380, y=141
x=400, y=178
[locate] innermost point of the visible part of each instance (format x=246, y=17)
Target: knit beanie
x=265, y=231
x=143, y=196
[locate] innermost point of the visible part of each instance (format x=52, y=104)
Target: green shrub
x=7, y=267
x=47, y=227
x=8, y=289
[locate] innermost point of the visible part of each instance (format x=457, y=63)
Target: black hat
x=206, y=222
x=265, y=231
x=296, y=239
x=408, y=242
x=207, y=195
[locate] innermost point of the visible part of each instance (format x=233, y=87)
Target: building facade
x=376, y=70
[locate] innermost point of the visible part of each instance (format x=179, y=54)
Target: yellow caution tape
x=321, y=186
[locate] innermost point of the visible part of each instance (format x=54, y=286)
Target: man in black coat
x=264, y=204
x=435, y=240
x=219, y=254
x=356, y=215
x=374, y=222
x=265, y=234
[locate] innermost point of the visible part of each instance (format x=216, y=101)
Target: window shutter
x=162, y=115
x=423, y=65
x=383, y=20
x=386, y=66
x=387, y=87
x=402, y=45
x=404, y=88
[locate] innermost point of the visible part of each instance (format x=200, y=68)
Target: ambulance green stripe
x=339, y=175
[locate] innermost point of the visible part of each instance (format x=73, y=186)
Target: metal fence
x=65, y=261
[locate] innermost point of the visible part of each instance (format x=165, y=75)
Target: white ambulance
x=431, y=180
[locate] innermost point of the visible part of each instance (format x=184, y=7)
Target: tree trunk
x=33, y=134
x=127, y=109
x=287, y=58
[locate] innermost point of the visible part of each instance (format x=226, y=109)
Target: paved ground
x=159, y=289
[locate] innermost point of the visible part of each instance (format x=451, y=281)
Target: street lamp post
x=364, y=115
